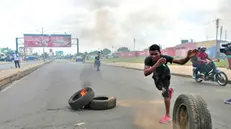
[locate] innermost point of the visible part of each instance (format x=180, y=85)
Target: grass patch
x=222, y=63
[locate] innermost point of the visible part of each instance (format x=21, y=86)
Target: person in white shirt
x=16, y=59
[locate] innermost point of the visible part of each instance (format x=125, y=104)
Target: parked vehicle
x=79, y=59
x=3, y=57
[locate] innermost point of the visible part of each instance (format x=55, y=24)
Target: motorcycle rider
x=202, y=58
x=194, y=61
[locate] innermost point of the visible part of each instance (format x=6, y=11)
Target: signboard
x=184, y=41
x=45, y=40
x=59, y=52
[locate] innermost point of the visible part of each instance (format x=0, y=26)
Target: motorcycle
x=212, y=73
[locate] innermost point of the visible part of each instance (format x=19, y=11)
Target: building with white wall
x=28, y=51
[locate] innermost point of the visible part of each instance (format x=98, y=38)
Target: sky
x=115, y=23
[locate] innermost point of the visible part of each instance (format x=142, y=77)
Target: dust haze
x=108, y=23
x=148, y=116
x=89, y=76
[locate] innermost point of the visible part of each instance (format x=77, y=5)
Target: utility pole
x=226, y=35
x=134, y=44
x=221, y=34
x=16, y=44
x=77, y=41
x=217, y=43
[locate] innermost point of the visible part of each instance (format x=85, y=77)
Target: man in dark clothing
x=156, y=63
x=97, y=61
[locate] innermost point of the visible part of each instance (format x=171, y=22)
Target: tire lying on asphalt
x=190, y=112
x=81, y=98
x=206, y=120
x=102, y=103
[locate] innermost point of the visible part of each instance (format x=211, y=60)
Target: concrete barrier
x=16, y=76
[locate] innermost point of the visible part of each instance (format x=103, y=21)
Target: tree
x=45, y=55
x=106, y=51
x=35, y=54
x=93, y=52
x=123, y=49
x=80, y=54
x=7, y=51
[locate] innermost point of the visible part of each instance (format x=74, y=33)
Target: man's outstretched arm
x=181, y=61
x=190, y=54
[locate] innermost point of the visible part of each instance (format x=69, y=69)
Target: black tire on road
x=206, y=120
x=76, y=101
x=102, y=103
x=186, y=114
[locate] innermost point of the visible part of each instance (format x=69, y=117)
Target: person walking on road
x=156, y=63
x=97, y=61
x=16, y=59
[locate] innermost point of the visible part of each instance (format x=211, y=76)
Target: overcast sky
x=107, y=23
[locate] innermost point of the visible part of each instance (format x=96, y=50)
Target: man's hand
x=192, y=53
x=149, y=69
x=161, y=61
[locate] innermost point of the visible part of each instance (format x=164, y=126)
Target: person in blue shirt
x=16, y=59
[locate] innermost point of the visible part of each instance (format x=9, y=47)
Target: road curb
x=19, y=75
x=5, y=63
x=175, y=74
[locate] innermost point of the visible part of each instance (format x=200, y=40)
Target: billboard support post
x=16, y=44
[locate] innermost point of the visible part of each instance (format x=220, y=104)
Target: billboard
x=45, y=40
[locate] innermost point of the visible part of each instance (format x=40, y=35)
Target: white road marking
x=5, y=89
x=81, y=123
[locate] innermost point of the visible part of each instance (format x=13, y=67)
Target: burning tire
x=191, y=112
x=102, y=103
x=81, y=98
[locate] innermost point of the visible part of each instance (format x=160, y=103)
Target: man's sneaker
x=170, y=92
x=228, y=101
x=166, y=119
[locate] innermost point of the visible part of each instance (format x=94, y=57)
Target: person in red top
x=202, y=58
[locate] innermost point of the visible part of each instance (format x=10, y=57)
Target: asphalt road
x=11, y=65
x=40, y=100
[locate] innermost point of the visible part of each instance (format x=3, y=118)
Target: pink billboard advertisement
x=45, y=40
